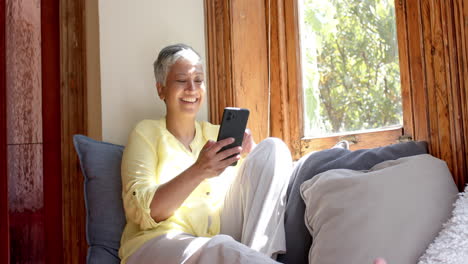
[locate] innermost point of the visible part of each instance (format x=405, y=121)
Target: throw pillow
x=105, y=216
x=298, y=240
x=393, y=211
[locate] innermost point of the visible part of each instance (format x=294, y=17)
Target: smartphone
x=233, y=125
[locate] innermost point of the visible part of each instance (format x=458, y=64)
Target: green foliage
x=351, y=70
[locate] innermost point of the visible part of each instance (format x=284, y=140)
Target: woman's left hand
x=248, y=144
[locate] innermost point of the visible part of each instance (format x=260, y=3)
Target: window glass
x=349, y=57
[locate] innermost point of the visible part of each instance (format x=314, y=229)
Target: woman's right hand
x=210, y=163
x=380, y=261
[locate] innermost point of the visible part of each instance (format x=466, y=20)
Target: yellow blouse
x=152, y=157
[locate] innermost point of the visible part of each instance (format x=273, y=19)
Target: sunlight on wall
x=131, y=35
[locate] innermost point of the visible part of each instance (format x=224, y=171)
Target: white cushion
x=393, y=211
x=451, y=245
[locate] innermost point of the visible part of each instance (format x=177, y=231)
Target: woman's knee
x=221, y=238
x=271, y=155
x=272, y=145
x=222, y=243
x=224, y=249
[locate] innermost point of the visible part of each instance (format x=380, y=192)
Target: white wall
x=131, y=35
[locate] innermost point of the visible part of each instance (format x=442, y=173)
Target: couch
x=105, y=219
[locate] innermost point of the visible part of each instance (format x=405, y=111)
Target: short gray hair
x=169, y=55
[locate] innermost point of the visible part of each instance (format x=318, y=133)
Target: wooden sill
x=364, y=140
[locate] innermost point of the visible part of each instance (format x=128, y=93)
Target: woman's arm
x=170, y=195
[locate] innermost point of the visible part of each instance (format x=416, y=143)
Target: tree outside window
x=350, y=66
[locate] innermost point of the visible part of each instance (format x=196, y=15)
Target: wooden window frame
x=285, y=78
x=433, y=55
x=236, y=34
x=285, y=19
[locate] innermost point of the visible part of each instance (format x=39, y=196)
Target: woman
x=182, y=202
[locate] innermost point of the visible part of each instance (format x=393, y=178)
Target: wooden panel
x=417, y=76
x=284, y=102
x=461, y=15
x=249, y=62
x=219, y=62
x=461, y=31
x=295, y=97
x=73, y=121
x=453, y=82
x=438, y=83
x=457, y=71
x=237, y=60
x=357, y=141
x=29, y=226
x=25, y=178
x=403, y=55
x=93, y=70
x=51, y=125
x=26, y=203
x=24, y=122
x=28, y=230
x=457, y=149
x=279, y=126
x=23, y=34
x=430, y=33
x=4, y=221
x=285, y=74
x=447, y=90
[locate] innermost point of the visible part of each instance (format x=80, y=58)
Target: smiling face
x=185, y=89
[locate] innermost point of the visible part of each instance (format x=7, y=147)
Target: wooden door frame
x=51, y=116
x=4, y=223
x=73, y=109
x=63, y=114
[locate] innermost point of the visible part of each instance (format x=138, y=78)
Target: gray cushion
x=391, y=214
x=298, y=239
x=105, y=217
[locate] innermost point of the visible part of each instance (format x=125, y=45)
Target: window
x=339, y=86
x=432, y=60
x=350, y=69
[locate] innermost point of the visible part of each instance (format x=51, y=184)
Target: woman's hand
x=248, y=144
x=170, y=195
x=380, y=261
x=211, y=162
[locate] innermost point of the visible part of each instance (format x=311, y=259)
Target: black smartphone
x=233, y=125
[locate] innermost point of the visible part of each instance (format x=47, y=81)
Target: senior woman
x=182, y=200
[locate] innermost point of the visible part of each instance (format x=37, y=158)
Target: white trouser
x=253, y=214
